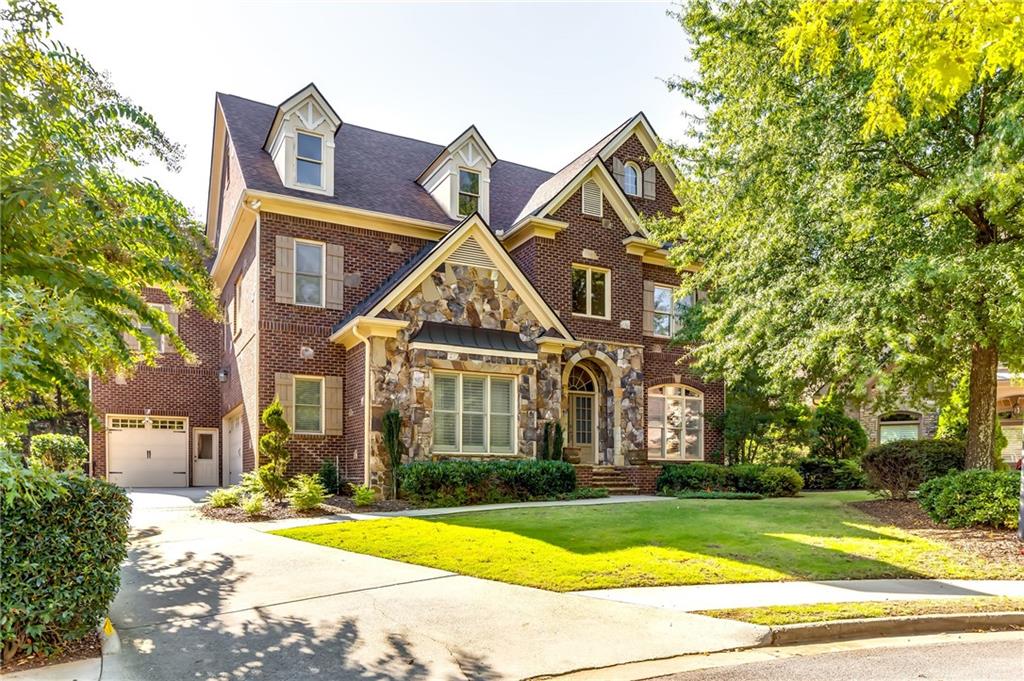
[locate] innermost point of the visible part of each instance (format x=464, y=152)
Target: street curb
x=818, y=632
x=110, y=642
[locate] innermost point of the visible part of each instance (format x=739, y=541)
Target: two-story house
x=362, y=271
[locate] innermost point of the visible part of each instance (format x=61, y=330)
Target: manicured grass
x=825, y=612
x=681, y=541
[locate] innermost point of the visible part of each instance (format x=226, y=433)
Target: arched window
x=900, y=425
x=631, y=179
x=675, y=423
x=581, y=380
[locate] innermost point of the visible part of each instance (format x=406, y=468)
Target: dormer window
x=631, y=179
x=469, y=192
x=309, y=159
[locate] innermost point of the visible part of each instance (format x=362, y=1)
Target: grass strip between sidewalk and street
x=774, y=615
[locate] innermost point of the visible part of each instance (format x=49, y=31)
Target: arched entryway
x=584, y=406
x=591, y=413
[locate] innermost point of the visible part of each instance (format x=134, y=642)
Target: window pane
x=662, y=324
x=583, y=425
x=501, y=396
x=307, y=289
x=694, y=428
x=473, y=394
x=597, y=291
x=468, y=204
x=307, y=419
x=444, y=432
x=656, y=415
x=655, y=441
x=472, y=432
x=891, y=431
x=579, y=291
x=501, y=433
x=310, y=146
x=205, y=446
x=469, y=182
x=662, y=299
x=630, y=181
x=308, y=172
x=445, y=392
x=308, y=259
x=673, y=444
x=307, y=391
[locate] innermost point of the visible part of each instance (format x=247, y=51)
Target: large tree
x=840, y=242
x=81, y=238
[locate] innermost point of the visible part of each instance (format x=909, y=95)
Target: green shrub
x=831, y=474
x=273, y=444
x=691, y=476
x=745, y=477
x=329, y=476
x=363, y=495
x=471, y=482
x=719, y=495
x=253, y=504
x=780, y=481
x=834, y=435
x=306, y=493
x=896, y=468
x=270, y=481
x=62, y=541
x=60, y=452
x=974, y=497
x=224, y=497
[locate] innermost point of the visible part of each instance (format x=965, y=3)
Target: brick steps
x=612, y=480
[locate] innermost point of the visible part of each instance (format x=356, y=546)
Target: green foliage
x=471, y=482
x=60, y=452
x=329, y=476
x=558, y=443
x=769, y=481
x=719, y=495
x=744, y=477
x=974, y=497
x=252, y=504
x=273, y=449
x=760, y=427
x=583, y=493
x=691, y=476
x=306, y=492
x=271, y=482
x=834, y=435
x=224, y=497
x=831, y=474
x=780, y=481
x=81, y=239
x=953, y=415
x=896, y=468
x=827, y=256
x=62, y=542
x=391, y=427
x=363, y=495
x=545, y=443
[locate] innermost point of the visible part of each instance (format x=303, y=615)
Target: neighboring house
x=363, y=271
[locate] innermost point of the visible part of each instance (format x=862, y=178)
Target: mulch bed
x=280, y=510
x=908, y=515
x=82, y=649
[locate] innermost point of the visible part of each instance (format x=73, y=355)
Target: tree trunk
x=981, y=407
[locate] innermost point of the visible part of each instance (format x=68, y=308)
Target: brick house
x=362, y=271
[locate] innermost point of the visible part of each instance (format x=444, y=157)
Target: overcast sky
x=541, y=81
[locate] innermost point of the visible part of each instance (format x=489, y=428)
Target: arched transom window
x=580, y=380
x=900, y=425
x=675, y=423
x=631, y=179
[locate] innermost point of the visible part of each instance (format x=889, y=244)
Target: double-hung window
x=675, y=423
x=309, y=400
x=669, y=309
x=469, y=192
x=309, y=273
x=309, y=159
x=474, y=413
x=591, y=293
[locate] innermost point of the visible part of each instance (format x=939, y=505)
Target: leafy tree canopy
x=831, y=258
x=81, y=239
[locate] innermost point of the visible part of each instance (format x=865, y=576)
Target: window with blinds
x=474, y=413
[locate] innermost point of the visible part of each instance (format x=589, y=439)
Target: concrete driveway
x=203, y=599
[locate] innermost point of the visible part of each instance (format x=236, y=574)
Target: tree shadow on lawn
x=173, y=623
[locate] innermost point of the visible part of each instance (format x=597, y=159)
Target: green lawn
x=683, y=541
x=821, y=612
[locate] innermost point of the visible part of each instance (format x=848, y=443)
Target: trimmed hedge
x=59, y=452
x=62, y=541
x=974, y=497
x=469, y=482
x=898, y=467
x=769, y=481
x=831, y=474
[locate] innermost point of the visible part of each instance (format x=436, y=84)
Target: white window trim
x=298, y=158
x=295, y=272
x=914, y=420
x=639, y=180
x=458, y=450
x=662, y=456
x=673, y=322
x=161, y=341
x=607, y=291
x=295, y=404
x=459, y=192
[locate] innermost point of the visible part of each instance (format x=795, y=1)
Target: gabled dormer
x=459, y=178
x=301, y=141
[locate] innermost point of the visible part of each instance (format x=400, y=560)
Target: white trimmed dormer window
x=631, y=179
x=459, y=177
x=593, y=199
x=309, y=159
x=469, y=192
x=301, y=142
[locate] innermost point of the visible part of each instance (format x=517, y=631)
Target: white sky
x=542, y=81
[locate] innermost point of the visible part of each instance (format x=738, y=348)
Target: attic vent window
x=309, y=159
x=592, y=199
x=469, y=192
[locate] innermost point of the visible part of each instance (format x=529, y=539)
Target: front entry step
x=613, y=480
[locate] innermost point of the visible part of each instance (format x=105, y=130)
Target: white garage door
x=147, y=452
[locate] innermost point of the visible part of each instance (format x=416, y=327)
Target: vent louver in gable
x=592, y=199
x=470, y=253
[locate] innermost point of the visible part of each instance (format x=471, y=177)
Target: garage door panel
x=147, y=456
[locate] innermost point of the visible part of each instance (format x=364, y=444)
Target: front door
x=581, y=425
x=233, y=460
x=204, y=458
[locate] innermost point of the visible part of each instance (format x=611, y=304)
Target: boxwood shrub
x=975, y=497
x=62, y=541
x=896, y=468
x=696, y=477
x=469, y=482
x=831, y=473
x=769, y=481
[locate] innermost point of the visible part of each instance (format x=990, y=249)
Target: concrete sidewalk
x=207, y=599
x=756, y=594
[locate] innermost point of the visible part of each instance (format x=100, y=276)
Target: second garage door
x=147, y=452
